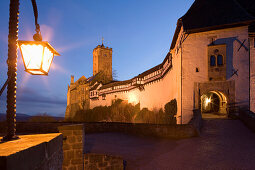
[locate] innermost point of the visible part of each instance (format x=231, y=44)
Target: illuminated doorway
x=214, y=102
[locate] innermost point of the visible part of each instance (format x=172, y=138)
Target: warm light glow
x=132, y=98
x=207, y=101
x=37, y=56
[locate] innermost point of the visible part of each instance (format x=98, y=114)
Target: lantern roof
x=45, y=43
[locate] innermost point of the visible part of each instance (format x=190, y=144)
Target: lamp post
x=37, y=57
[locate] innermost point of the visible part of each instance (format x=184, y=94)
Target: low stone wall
x=101, y=161
x=42, y=151
x=154, y=130
x=248, y=118
x=72, y=146
x=158, y=130
x=34, y=127
x=192, y=129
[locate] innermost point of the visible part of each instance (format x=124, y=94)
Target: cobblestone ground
x=224, y=144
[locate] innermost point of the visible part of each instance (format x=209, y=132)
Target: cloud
x=26, y=95
x=32, y=102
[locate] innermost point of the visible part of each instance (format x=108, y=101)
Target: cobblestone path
x=224, y=144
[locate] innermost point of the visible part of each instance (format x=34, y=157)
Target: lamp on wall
x=37, y=57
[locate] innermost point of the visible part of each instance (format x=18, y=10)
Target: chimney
x=72, y=79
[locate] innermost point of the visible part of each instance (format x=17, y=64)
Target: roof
x=157, y=67
x=116, y=83
x=95, y=86
x=248, y=5
x=150, y=71
x=205, y=15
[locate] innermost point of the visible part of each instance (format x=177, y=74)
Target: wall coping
x=71, y=127
x=30, y=151
x=25, y=142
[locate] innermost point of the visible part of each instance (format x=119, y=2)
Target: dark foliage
x=122, y=111
x=170, y=111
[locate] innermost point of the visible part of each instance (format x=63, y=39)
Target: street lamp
x=37, y=57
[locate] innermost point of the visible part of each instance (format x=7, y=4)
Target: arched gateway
x=214, y=98
x=214, y=102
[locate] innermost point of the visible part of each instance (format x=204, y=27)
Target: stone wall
x=41, y=152
x=34, y=127
x=143, y=129
x=101, y=161
x=72, y=146
x=248, y=118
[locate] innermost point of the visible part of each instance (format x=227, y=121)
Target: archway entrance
x=214, y=104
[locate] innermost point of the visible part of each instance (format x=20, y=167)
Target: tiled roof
x=205, y=15
x=116, y=83
x=95, y=86
x=158, y=67
x=210, y=13
x=248, y=5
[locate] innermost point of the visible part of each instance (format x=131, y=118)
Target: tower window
x=212, y=60
x=197, y=69
x=219, y=60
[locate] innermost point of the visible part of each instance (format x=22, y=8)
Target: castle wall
x=154, y=95
x=77, y=97
x=194, y=55
x=252, y=74
x=191, y=52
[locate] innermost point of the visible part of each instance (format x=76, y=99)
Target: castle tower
x=102, y=63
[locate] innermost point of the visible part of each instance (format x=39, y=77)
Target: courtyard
x=223, y=144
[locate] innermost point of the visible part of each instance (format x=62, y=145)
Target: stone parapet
x=42, y=152
x=143, y=129
x=101, y=161
x=72, y=146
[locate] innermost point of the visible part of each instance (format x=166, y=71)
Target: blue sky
x=139, y=32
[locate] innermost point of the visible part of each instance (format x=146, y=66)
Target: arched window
x=212, y=60
x=219, y=60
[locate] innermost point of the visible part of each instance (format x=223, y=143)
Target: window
x=103, y=96
x=212, y=60
x=219, y=60
x=197, y=70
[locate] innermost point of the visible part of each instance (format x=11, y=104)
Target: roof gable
x=210, y=13
x=205, y=15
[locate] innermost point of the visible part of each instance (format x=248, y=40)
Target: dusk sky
x=139, y=32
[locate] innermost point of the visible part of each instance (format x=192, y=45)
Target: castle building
x=78, y=97
x=210, y=66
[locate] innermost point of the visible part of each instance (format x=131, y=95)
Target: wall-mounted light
x=207, y=101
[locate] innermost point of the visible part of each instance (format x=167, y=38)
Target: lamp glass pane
x=32, y=55
x=47, y=59
x=36, y=72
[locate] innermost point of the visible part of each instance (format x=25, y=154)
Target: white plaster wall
x=194, y=54
x=252, y=74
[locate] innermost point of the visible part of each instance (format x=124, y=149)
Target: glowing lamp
x=207, y=101
x=37, y=56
